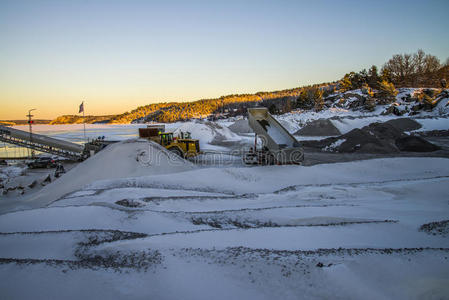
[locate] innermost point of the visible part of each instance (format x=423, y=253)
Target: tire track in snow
x=344, y=223
x=253, y=209
x=357, y=184
x=86, y=259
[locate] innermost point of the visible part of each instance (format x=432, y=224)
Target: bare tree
x=431, y=63
x=412, y=69
x=419, y=61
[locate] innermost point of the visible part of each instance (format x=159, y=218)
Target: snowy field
x=136, y=222
x=342, y=231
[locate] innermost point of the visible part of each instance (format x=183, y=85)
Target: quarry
x=365, y=203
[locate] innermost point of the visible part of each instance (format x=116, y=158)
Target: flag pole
x=84, y=124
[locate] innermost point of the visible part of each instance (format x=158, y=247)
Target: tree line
x=418, y=70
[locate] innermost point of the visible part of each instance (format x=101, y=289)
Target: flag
x=81, y=107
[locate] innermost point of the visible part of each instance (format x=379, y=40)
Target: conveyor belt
x=41, y=143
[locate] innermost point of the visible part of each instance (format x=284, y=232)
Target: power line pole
x=29, y=123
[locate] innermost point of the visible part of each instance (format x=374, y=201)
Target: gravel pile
x=320, y=127
x=382, y=138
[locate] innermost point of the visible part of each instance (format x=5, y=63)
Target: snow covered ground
x=342, y=231
x=135, y=222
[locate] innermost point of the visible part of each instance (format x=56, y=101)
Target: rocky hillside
x=176, y=111
x=404, y=102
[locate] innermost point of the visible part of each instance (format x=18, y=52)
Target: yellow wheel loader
x=182, y=145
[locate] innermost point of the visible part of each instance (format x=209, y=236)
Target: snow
x=208, y=133
x=348, y=124
x=39, y=246
x=125, y=159
x=442, y=108
x=297, y=119
x=136, y=222
x=236, y=232
x=270, y=178
x=11, y=171
x=429, y=124
x=334, y=145
x=346, y=119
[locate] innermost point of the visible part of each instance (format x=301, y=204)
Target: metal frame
x=7, y=138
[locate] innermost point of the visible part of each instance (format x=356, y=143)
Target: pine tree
x=373, y=78
x=370, y=101
x=318, y=100
x=386, y=75
x=345, y=83
x=387, y=92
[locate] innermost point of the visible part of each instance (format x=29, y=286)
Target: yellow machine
x=183, y=145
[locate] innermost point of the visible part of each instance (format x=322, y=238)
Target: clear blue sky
x=117, y=55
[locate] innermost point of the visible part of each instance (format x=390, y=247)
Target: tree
x=370, y=101
x=373, y=78
x=318, y=99
x=311, y=97
x=363, y=77
x=345, y=83
x=412, y=69
x=386, y=75
x=287, y=107
x=431, y=63
x=419, y=61
x=272, y=109
x=387, y=92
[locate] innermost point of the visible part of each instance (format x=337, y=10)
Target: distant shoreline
x=23, y=122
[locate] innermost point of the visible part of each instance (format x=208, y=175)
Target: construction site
x=260, y=206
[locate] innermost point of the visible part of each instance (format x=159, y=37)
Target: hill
x=74, y=119
x=418, y=70
x=23, y=122
x=176, y=111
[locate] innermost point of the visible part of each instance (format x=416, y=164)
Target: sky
x=117, y=55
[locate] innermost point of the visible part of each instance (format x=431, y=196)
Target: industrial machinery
x=42, y=143
x=278, y=146
x=182, y=145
